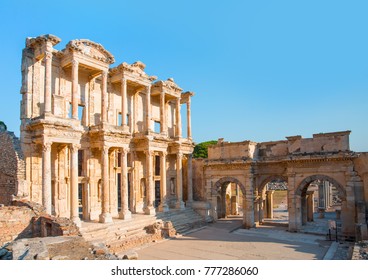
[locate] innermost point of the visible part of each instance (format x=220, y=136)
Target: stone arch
x=305, y=183
x=271, y=178
x=217, y=186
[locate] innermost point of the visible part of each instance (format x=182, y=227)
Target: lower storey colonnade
x=113, y=182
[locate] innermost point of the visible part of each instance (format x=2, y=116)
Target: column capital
x=75, y=62
x=104, y=73
x=46, y=147
x=163, y=153
x=149, y=153
x=124, y=151
x=123, y=80
x=179, y=154
x=74, y=147
x=105, y=150
x=48, y=55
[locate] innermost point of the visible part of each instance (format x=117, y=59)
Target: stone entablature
x=109, y=139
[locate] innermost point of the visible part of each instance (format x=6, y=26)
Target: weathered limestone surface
x=297, y=161
x=108, y=140
x=12, y=168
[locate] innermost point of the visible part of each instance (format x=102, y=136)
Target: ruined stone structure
x=297, y=161
x=12, y=168
x=106, y=140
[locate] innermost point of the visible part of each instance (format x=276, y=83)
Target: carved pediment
x=91, y=49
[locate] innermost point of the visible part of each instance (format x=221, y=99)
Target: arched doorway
x=322, y=200
x=271, y=204
x=230, y=197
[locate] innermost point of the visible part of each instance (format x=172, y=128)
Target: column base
x=77, y=221
x=125, y=215
x=150, y=210
x=188, y=204
x=180, y=205
x=125, y=128
x=163, y=208
x=105, y=218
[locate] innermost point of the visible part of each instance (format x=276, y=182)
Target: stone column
x=190, y=181
x=179, y=181
x=105, y=216
x=104, y=97
x=269, y=197
x=163, y=127
x=178, y=119
x=148, y=109
x=310, y=206
x=304, y=209
x=124, y=214
x=321, y=200
x=163, y=188
x=48, y=71
x=46, y=177
x=261, y=209
x=150, y=209
x=75, y=65
x=124, y=103
x=74, y=205
x=189, y=120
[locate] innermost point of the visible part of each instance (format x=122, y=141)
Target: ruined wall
x=237, y=150
x=12, y=168
x=15, y=222
x=27, y=219
x=199, y=192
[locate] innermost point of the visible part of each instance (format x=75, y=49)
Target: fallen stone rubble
x=59, y=248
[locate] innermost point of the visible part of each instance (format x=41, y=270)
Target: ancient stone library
x=103, y=149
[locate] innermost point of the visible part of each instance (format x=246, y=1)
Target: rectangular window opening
x=80, y=112
x=157, y=127
x=120, y=120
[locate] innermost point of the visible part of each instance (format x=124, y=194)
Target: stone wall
x=15, y=222
x=12, y=168
x=28, y=219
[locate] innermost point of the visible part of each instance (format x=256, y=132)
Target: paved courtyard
x=219, y=241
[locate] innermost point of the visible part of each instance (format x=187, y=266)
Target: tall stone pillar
x=104, y=97
x=321, y=200
x=148, y=109
x=304, y=209
x=269, y=210
x=179, y=181
x=150, y=195
x=163, y=207
x=124, y=214
x=46, y=177
x=190, y=181
x=261, y=209
x=124, y=101
x=48, y=82
x=163, y=127
x=189, y=120
x=178, y=118
x=310, y=206
x=105, y=216
x=75, y=66
x=74, y=207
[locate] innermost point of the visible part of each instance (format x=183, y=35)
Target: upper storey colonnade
x=78, y=83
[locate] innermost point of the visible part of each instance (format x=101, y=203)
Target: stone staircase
x=122, y=235
x=183, y=220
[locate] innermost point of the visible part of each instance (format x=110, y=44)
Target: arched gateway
x=300, y=163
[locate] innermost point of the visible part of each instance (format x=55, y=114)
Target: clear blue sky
x=261, y=70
